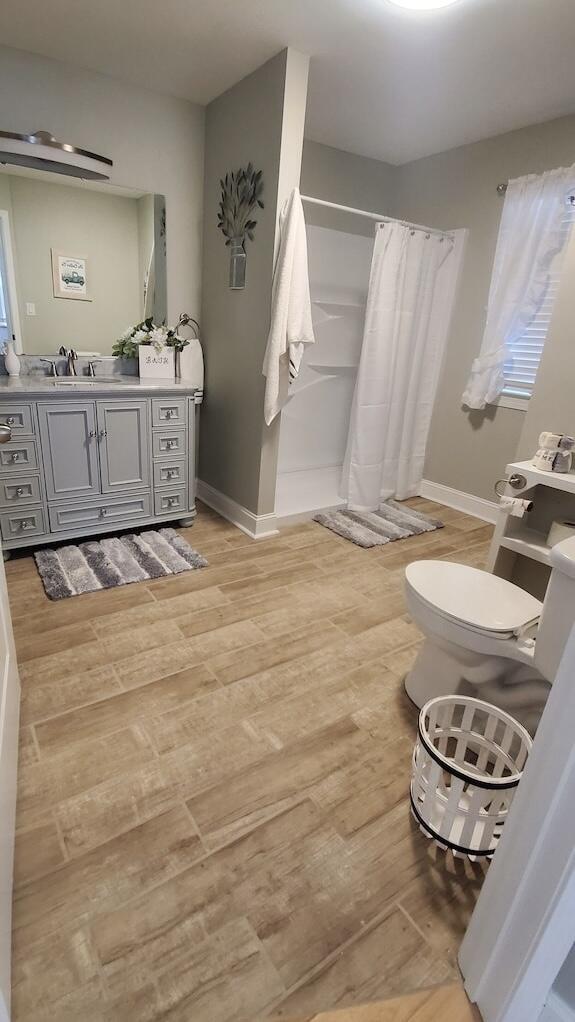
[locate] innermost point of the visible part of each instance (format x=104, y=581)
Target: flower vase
x=11, y=360
x=237, y=264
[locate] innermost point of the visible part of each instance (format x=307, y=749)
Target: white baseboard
x=487, y=510
x=254, y=526
x=556, y=1010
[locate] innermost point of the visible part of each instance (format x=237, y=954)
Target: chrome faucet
x=71, y=357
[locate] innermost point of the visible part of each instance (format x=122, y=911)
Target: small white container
x=11, y=360
x=157, y=365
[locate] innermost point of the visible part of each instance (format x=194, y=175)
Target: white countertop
x=41, y=386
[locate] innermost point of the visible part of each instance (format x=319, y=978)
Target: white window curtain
x=407, y=319
x=530, y=238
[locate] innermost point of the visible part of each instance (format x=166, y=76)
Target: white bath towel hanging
x=291, y=323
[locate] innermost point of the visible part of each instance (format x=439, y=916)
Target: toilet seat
x=472, y=598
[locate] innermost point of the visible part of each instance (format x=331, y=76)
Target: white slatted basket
x=467, y=763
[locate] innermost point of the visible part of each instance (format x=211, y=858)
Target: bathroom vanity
x=88, y=456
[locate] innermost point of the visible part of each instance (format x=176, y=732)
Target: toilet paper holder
x=515, y=480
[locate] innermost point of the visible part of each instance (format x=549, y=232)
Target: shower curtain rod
x=374, y=216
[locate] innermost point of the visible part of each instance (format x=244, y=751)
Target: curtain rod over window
x=502, y=188
x=374, y=216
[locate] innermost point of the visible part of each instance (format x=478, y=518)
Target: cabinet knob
x=92, y=434
x=170, y=444
x=102, y=512
x=15, y=456
x=169, y=413
x=102, y=434
x=26, y=523
x=19, y=491
x=10, y=420
x=171, y=501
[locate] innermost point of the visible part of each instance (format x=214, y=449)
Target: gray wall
x=259, y=120
x=101, y=226
x=466, y=450
x=155, y=141
x=552, y=406
x=351, y=180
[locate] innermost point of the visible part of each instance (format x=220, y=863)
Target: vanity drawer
x=168, y=411
x=168, y=472
x=21, y=491
x=170, y=501
x=19, y=417
x=116, y=512
x=18, y=456
x=20, y=524
x=166, y=444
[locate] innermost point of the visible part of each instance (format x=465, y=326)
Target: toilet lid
x=476, y=598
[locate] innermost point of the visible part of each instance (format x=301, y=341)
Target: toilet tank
x=558, y=617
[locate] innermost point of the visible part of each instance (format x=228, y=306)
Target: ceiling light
x=43, y=152
x=423, y=5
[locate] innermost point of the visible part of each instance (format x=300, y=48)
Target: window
x=521, y=368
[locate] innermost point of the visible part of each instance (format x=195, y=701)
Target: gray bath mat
x=114, y=561
x=375, y=528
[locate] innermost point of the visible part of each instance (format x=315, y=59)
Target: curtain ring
x=427, y=237
x=412, y=233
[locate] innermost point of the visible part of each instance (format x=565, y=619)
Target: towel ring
x=516, y=481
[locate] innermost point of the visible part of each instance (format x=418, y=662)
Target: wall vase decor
x=241, y=195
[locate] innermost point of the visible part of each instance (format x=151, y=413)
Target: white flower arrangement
x=147, y=332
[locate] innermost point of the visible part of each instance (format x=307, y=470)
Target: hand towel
x=291, y=323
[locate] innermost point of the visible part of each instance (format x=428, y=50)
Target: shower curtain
x=406, y=323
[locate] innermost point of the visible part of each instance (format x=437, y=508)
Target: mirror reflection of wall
x=63, y=233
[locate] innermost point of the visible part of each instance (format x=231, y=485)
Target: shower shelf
x=329, y=367
x=339, y=305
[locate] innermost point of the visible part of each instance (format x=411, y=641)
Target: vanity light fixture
x=42, y=151
x=423, y=5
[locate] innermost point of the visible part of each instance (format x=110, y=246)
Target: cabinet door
x=69, y=449
x=124, y=442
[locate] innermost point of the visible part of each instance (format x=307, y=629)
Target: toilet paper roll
x=515, y=506
x=561, y=529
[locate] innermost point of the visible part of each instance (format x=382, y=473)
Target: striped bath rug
x=375, y=528
x=115, y=561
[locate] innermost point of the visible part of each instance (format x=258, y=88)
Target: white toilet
x=487, y=637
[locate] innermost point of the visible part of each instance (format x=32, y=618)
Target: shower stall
x=315, y=422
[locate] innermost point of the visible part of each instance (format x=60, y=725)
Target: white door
x=9, y=711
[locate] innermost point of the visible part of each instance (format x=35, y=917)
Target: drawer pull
x=10, y=420
x=169, y=413
x=171, y=472
x=92, y=434
x=102, y=434
x=170, y=444
x=103, y=512
x=20, y=491
x=26, y=523
x=15, y=456
x=173, y=501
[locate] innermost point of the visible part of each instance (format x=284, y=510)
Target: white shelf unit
x=518, y=541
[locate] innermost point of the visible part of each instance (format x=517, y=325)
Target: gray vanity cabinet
x=69, y=448
x=79, y=467
x=124, y=445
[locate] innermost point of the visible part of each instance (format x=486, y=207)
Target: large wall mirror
x=80, y=261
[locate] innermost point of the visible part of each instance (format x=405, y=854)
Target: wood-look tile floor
x=212, y=811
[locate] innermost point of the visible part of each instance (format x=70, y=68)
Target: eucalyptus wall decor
x=241, y=195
